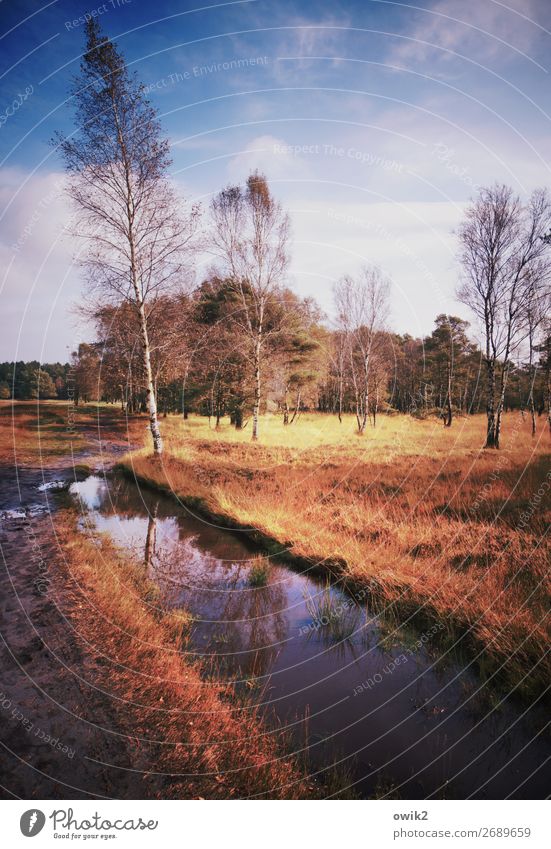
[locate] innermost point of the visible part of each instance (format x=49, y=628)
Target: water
x=354, y=688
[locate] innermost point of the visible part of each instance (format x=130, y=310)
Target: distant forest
x=25, y=381
x=200, y=365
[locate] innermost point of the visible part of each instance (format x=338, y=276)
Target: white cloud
x=303, y=38
x=272, y=156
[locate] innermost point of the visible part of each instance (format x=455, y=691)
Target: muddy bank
x=56, y=728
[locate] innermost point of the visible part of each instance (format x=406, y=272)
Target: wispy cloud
x=478, y=31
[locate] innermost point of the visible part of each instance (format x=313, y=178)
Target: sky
x=374, y=121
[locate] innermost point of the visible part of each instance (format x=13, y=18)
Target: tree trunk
x=501, y=402
x=376, y=405
x=184, y=409
x=361, y=415
x=256, y=408
x=151, y=536
x=297, y=407
x=532, y=382
x=448, y=419
x=490, y=406
x=365, y=412
x=286, y=407
x=150, y=400
x=532, y=410
x=548, y=390
x=238, y=418
x=366, y=395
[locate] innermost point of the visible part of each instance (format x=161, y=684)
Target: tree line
x=242, y=341
x=33, y=380
x=200, y=364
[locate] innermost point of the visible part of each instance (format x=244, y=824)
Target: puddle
x=401, y=719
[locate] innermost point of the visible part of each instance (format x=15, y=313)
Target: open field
x=48, y=433
x=419, y=513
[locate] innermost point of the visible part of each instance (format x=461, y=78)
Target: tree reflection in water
x=237, y=629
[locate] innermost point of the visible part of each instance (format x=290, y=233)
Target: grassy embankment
x=214, y=745
x=424, y=516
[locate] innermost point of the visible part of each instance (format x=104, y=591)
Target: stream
x=399, y=715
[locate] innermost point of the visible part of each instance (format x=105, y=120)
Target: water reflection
x=150, y=537
x=405, y=721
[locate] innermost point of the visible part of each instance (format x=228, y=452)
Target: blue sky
x=375, y=122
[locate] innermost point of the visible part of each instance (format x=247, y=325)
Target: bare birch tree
x=250, y=237
x=362, y=308
x=137, y=243
x=504, y=255
x=339, y=367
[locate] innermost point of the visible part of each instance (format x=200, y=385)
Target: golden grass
x=29, y=431
x=419, y=510
x=211, y=745
x=44, y=433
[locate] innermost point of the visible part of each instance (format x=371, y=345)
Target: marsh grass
x=339, y=780
x=41, y=433
x=321, y=607
x=386, y=788
x=259, y=572
x=332, y=616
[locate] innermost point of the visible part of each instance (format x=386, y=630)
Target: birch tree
x=137, y=242
x=362, y=307
x=544, y=350
x=250, y=237
x=504, y=255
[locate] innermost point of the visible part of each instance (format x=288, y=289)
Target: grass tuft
x=260, y=572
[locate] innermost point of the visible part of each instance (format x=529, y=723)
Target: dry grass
x=209, y=745
x=29, y=432
x=43, y=434
x=418, y=510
